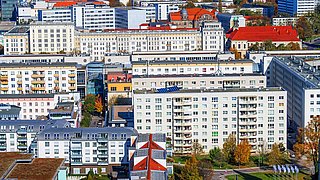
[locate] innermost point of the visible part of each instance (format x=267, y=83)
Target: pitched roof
x=193, y=14
x=263, y=33
x=8, y=158
x=152, y=145
x=64, y=4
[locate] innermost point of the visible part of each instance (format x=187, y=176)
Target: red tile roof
x=64, y=4
x=264, y=33
x=148, y=163
x=193, y=14
x=98, y=3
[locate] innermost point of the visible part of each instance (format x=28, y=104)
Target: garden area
x=268, y=175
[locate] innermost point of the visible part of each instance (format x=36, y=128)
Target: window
x=47, y=144
x=87, y=144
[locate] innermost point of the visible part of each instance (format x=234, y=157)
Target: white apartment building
x=97, y=44
x=209, y=116
x=87, y=148
x=183, y=56
x=55, y=15
x=37, y=78
x=127, y=18
x=150, y=13
x=285, y=21
x=199, y=81
x=51, y=37
x=192, y=67
x=16, y=41
x=37, y=106
x=161, y=10
x=94, y=17
x=19, y=135
x=301, y=81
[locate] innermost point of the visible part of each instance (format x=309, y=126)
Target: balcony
x=22, y=146
x=38, y=75
x=3, y=139
x=72, y=88
x=19, y=89
x=71, y=81
x=102, y=140
x=21, y=131
x=76, y=148
x=3, y=147
x=102, y=148
x=4, y=82
x=3, y=77
x=75, y=155
x=72, y=75
x=38, y=82
x=103, y=163
x=102, y=155
x=38, y=88
x=56, y=75
x=19, y=82
x=3, y=88
x=22, y=139
x=19, y=75
x=76, y=163
x=56, y=88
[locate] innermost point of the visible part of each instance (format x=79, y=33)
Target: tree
x=215, y=154
x=98, y=104
x=236, y=53
x=229, y=147
x=255, y=47
x=197, y=148
x=242, y=152
x=86, y=120
x=268, y=46
x=308, y=143
x=220, y=6
x=1, y=49
x=115, y=3
x=277, y=154
x=113, y=100
x=293, y=46
x=189, y=4
x=304, y=28
x=190, y=170
x=89, y=103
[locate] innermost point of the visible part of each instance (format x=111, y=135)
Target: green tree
x=292, y=46
x=86, y=120
x=304, y=28
x=89, y=103
x=254, y=47
x=197, y=148
x=277, y=154
x=229, y=147
x=215, y=154
x=190, y=170
x=268, y=46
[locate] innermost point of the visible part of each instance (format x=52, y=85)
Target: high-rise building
x=8, y=10
x=297, y=7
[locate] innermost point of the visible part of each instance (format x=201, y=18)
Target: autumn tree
x=189, y=4
x=277, y=154
x=304, y=28
x=236, y=53
x=293, y=46
x=98, y=104
x=89, y=103
x=229, y=147
x=197, y=148
x=308, y=142
x=190, y=170
x=113, y=100
x=242, y=152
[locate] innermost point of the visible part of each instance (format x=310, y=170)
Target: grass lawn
x=262, y=176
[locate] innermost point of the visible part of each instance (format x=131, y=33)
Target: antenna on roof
x=218, y=72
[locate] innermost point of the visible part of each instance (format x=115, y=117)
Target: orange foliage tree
x=98, y=104
x=242, y=152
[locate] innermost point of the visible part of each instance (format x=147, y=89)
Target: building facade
x=16, y=41
x=210, y=116
x=37, y=78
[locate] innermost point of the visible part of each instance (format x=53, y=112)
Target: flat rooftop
x=196, y=75
x=211, y=90
x=38, y=169
x=18, y=30
x=303, y=69
x=156, y=62
x=8, y=158
x=16, y=65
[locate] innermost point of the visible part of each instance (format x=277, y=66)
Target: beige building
x=37, y=78
x=51, y=37
x=16, y=41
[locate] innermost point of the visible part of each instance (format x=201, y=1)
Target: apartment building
x=301, y=81
x=87, y=148
x=67, y=110
x=296, y=7
x=16, y=41
x=55, y=15
x=9, y=112
x=19, y=135
x=163, y=39
x=161, y=9
x=37, y=78
x=119, y=84
x=37, y=106
x=209, y=116
x=178, y=67
x=52, y=37
x=129, y=18
x=284, y=21
x=199, y=81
